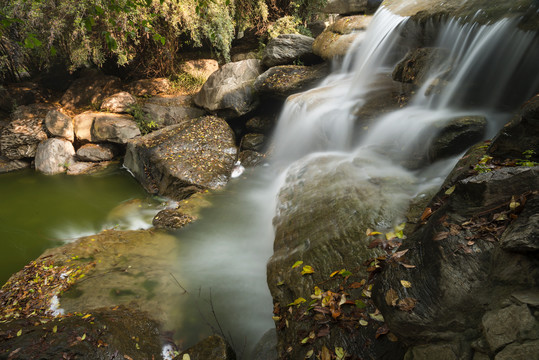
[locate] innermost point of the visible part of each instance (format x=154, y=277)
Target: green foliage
x=483, y=165
x=527, y=161
x=187, y=83
x=145, y=124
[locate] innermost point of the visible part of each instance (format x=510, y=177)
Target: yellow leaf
x=514, y=204
x=450, y=190
x=276, y=318
x=390, y=235
x=86, y=316
x=83, y=337
x=334, y=273
x=280, y=283
x=19, y=333
x=377, y=317
x=297, y=264
x=363, y=322
x=309, y=354
x=186, y=357
x=55, y=329
x=406, y=284
x=307, y=269
x=304, y=341
x=297, y=301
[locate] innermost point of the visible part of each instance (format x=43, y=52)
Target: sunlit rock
x=90, y=89
x=97, y=152
x=114, y=128
x=53, y=156
x=170, y=110
x=182, y=159
x=60, y=125
x=119, y=103
x=148, y=87
x=339, y=36
x=287, y=48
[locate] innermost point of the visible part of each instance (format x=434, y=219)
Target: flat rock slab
x=99, y=127
x=182, y=159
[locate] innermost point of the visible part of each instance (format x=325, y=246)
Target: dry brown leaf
x=391, y=297
x=441, y=236
x=407, y=304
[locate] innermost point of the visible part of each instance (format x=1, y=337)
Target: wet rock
x=118, y=103
x=214, y=347
x=148, y=87
x=266, y=348
x=182, y=159
x=519, y=135
x=90, y=90
x=456, y=260
x=7, y=165
x=170, y=110
x=432, y=352
x=524, y=351
x=249, y=158
x=171, y=219
x=114, y=128
x=508, y=325
x=457, y=135
x=523, y=234
x=338, y=37
x=88, y=168
x=418, y=64
x=253, y=142
x=424, y=10
x=53, y=156
x=59, y=125
x=287, y=48
x=128, y=332
x=97, y=152
x=323, y=209
x=19, y=139
x=282, y=81
x=344, y=7
x=229, y=91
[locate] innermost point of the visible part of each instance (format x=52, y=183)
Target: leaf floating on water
x=297, y=264
x=307, y=269
x=391, y=297
x=406, y=284
x=450, y=190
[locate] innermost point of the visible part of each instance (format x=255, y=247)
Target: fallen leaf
x=397, y=255
x=357, y=285
x=297, y=264
x=450, y=190
x=19, y=333
x=407, y=304
x=408, y=266
x=406, y=284
x=55, y=329
x=186, y=357
x=391, y=297
x=307, y=269
x=426, y=214
x=340, y=353
x=326, y=354
x=390, y=235
x=309, y=354
x=86, y=316
x=441, y=236
x=363, y=322
x=382, y=330
x=392, y=337
x=377, y=317
x=323, y=332
x=360, y=304
x=513, y=204
x=297, y=301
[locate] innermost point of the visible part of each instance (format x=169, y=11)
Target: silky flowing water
x=219, y=262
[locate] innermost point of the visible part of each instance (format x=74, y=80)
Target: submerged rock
x=213, y=347
x=182, y=159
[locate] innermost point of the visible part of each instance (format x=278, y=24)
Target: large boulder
x=90, y=90
x=282, y=81
x=104, y=334
x=170, y=110
x=53, y=156
x=182, y=159
x=287, y=48
x=418, y=64
x=339, y=36
x=100, y=127
x=19, y=139
x=115, y=128
x=324, y=209
x=60, y=125
x=119, y=103
x=521, y=134
x=229, y=91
